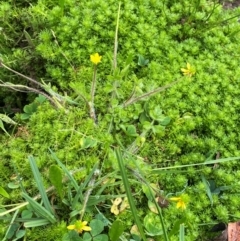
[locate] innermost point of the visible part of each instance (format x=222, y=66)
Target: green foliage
x=194, y=121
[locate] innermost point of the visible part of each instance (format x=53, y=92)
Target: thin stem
x=116, y=40
x=23, y=76
x=89, y=191
x=93, y=88
x=94, y=81
x=148, y=94
x=23, y=88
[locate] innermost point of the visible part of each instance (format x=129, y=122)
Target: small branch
x=150, y=93
x=19, y=74
x=23, y=88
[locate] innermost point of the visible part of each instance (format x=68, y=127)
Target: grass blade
x=36, y=223
x=39, y=183
x=181, y=232
x=9, y=228
x=158, y=170
x=40, y=210
x=129, y=194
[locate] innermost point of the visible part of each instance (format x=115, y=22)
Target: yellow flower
x=181, y=201
x=79, y=226
x=95, y=58
x=189, y=71
x=116, y=208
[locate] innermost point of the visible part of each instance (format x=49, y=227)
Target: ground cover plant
x=119, y=120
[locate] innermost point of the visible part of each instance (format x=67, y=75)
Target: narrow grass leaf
x=40, y=210
x=129, y=194
x=207, y=188
x=67, y=173
x=181, y=232
x=39, y=183
x=158, y=170
x=36, y=223
x=8, y=233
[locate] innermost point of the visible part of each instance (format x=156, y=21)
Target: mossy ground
x=194, y=120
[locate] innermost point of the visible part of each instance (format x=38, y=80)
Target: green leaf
x=68, y=174
x=72, y=236
x=3, y=192
x=7, y=119
x=13, y=185
x=129, y=194
x=164, y=121
x=87, y=142
x=116, y=230
x=181, y=232
x=176, y=226
x=55, y=176
x=19, y=234
x=2, y=127
x=29, y=39
x=12, y=229
x=39, y=183
x=152, y=225
x=36, y=223
x=26, y=214
x=208, y=190
x=25, y=116
x=97, y=227
x=142, y=61
x=87, y=237
x=101, y=237
x=40, y=210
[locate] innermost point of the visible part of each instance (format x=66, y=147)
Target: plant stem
x=89, y=191
x=23, y=76
x=148, y=94
x=93, y=88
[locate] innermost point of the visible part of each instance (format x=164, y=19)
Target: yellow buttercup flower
x=79, y=226
x=189, y=71
x=95, y=58
x=181, y=201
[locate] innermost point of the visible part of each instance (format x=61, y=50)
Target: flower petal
x=175, y=198
x=86, y=228
x=71, y=227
